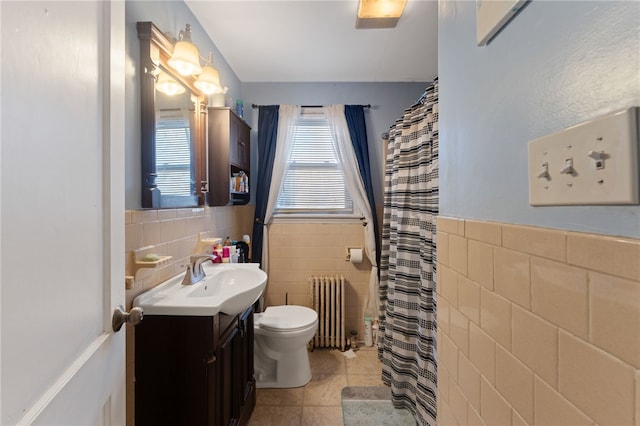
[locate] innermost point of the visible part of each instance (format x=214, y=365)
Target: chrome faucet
x=195, y=273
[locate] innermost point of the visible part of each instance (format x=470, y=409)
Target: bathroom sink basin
x=227, y=288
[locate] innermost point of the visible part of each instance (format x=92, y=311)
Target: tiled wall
x=299, y=250
x=172, y=232
x=536, y=326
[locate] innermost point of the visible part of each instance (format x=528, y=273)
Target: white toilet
x=281, y=334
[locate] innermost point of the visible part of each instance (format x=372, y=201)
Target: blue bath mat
x=371, y=405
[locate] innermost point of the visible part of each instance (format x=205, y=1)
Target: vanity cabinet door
x=245, y=368
x=212, y=391
x=227, y=406
x=172, y=380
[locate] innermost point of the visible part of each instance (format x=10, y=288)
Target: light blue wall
x=387, y=100
x=557, y=64
x=170, y=17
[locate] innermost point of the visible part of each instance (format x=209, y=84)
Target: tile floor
x=318, y=403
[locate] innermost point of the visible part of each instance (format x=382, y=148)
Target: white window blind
x=313, y=182
x=173, y=153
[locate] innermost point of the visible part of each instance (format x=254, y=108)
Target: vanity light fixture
x=168, y=86
x=379, y=13
x=209, y=80
x=185, y=58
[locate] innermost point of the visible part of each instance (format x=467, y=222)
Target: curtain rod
x=254, y=106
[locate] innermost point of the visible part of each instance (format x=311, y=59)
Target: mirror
x=173, y=122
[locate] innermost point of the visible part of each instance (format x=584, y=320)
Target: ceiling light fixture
x=379, y=13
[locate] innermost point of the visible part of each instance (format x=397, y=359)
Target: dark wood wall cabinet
x=229, y=157
x=194, y=370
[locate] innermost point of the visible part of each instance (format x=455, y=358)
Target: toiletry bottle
x=242, y=256
x=219, y=252
x=227, y=241
x=368, y=336
x=225, y=254
x=239, y=108
x=374, y=329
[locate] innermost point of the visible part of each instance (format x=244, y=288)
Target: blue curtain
x=358, y=132
x=267, y=132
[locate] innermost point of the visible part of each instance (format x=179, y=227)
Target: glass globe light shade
x=185, y=58
x=209, y=80
x=168, y=86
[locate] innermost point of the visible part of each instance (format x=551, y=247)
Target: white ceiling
x=316, y=41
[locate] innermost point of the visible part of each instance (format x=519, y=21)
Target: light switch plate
x=592, y=163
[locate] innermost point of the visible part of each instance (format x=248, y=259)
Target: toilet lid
x=288, y=317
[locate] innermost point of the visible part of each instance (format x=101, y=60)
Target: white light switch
x=595, y=162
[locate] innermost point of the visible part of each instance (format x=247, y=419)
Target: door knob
x=133, y=317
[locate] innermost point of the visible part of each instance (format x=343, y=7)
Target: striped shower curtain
x=407, y=336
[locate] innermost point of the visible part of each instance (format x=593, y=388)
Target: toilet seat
x=286, y=318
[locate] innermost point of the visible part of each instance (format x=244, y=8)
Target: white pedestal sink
x=227, y=288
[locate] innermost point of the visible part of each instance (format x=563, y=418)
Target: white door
x=62, y=212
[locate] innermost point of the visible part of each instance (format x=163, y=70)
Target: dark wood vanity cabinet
x=244, y=368
x=194, y=370
x=229, y=154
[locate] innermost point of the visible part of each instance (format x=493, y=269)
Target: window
x=173, y=153
x=313, y=182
